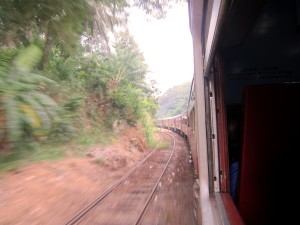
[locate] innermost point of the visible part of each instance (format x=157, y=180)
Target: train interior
x=260, y=50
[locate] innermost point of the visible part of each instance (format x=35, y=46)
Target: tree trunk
x=47, y=49
x=5, y=145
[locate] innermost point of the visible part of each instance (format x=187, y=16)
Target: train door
x=211, y=129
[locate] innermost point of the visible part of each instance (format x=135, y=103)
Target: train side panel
x=185, y=126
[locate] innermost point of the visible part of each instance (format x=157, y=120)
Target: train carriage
x=243, y=121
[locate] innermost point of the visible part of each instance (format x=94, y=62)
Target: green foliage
x=61, y=131
x=62, y=23
x=69, y=121
x=61, y=68
x=154, y=7
x=94, y=88
x=12, y=161
x=73, y=104
x=92, y=72
x=149, y=127
x=6, y=57
x=127, y=90
x=164, y=145
x=23, y=20
x=99, y=160
x=97, y=135
x=27, y=59
x=174, y=101
x=29, y=153
x=110, y=118
x=27, y=108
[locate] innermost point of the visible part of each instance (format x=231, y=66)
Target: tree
x=77, y=52
x=25, y=107
x=58, y=22
x=63, y=22
x=126, y=64
x=156, y=8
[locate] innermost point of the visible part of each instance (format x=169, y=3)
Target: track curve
x=154, y=160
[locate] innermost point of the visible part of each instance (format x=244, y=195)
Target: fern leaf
x=28, y=58
x=44, y=99
x=32, y=118
x=35, y=79
x=13, y=118
x=48, y=103
x=39, y=110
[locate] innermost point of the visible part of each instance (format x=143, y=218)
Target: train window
x=234, y=132
x=256, y=77
x=234, y=145
x=260, y=55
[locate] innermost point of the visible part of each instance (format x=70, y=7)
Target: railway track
x=126, y=201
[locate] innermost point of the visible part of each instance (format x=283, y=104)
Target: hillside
x=174, y=101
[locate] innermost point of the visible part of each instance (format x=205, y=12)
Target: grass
x=159, y=144
x=164, y=144
x=29, y=154
x=96, y=136
x=48, y=151
x=99, y=161
x=153, y=143
x=10, y=161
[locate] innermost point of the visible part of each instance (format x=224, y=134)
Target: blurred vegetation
x=164, y=145
x=174, y=101
x=69, y=70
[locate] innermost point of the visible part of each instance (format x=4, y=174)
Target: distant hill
x=174, y=101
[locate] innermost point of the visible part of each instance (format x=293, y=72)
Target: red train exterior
x=182, y=125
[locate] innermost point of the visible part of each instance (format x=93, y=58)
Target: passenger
x=234, y=145
x=234, y=168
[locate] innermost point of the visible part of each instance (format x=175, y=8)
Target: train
x=242, y=121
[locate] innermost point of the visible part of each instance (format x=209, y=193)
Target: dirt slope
x=50, y=192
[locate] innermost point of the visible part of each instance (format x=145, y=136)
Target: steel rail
x=158, y=181
x=84, y=211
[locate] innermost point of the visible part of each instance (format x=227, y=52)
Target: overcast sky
x=166, y=44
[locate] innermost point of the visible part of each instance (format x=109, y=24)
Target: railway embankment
x=51, y=192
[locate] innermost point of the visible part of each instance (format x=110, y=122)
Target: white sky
x=166, y=44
